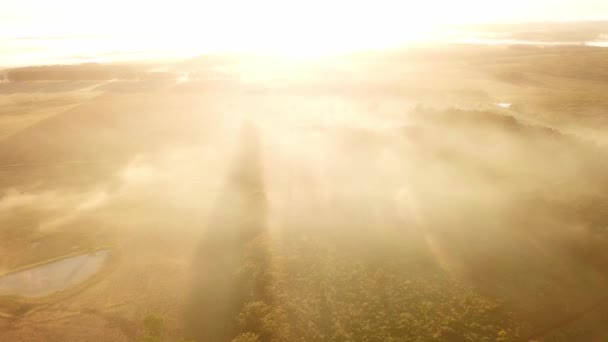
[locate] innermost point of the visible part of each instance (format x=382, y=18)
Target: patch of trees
x=358, y=282
x=337, y=295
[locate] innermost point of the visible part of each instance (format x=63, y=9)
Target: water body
x=52, y=277
x=505, y=105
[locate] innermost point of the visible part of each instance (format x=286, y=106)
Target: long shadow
x=216, y=296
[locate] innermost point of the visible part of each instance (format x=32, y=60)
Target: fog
x=305, y=206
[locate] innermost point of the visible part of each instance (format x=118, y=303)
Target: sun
x=297, y=29
x=325, y=28
x=301, y=29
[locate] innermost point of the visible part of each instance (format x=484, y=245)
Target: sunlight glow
x=268, y=26
x=180, y=28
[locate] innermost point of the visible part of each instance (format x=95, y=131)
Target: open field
x=371, y=197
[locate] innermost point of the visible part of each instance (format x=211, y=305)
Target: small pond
x=504, y=105
x=54, y=276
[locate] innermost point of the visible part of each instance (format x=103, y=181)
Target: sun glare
x=301, y=29
x=308, y=30
x=296, y=29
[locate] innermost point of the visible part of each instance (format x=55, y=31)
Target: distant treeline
x=102, y=72
x=544, y=31
x=85, y=72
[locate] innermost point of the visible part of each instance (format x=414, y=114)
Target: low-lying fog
x=513, y=210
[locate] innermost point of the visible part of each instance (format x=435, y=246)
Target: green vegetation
x=153, y=327
x=382, y=279
x=333, y=295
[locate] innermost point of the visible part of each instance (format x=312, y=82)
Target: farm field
x=453, y=193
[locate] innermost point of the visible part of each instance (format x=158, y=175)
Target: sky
x=311, y=25
x=73, y=17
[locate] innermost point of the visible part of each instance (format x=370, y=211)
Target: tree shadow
x=216, y=295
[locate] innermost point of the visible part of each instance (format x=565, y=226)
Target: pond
x=54, y=276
